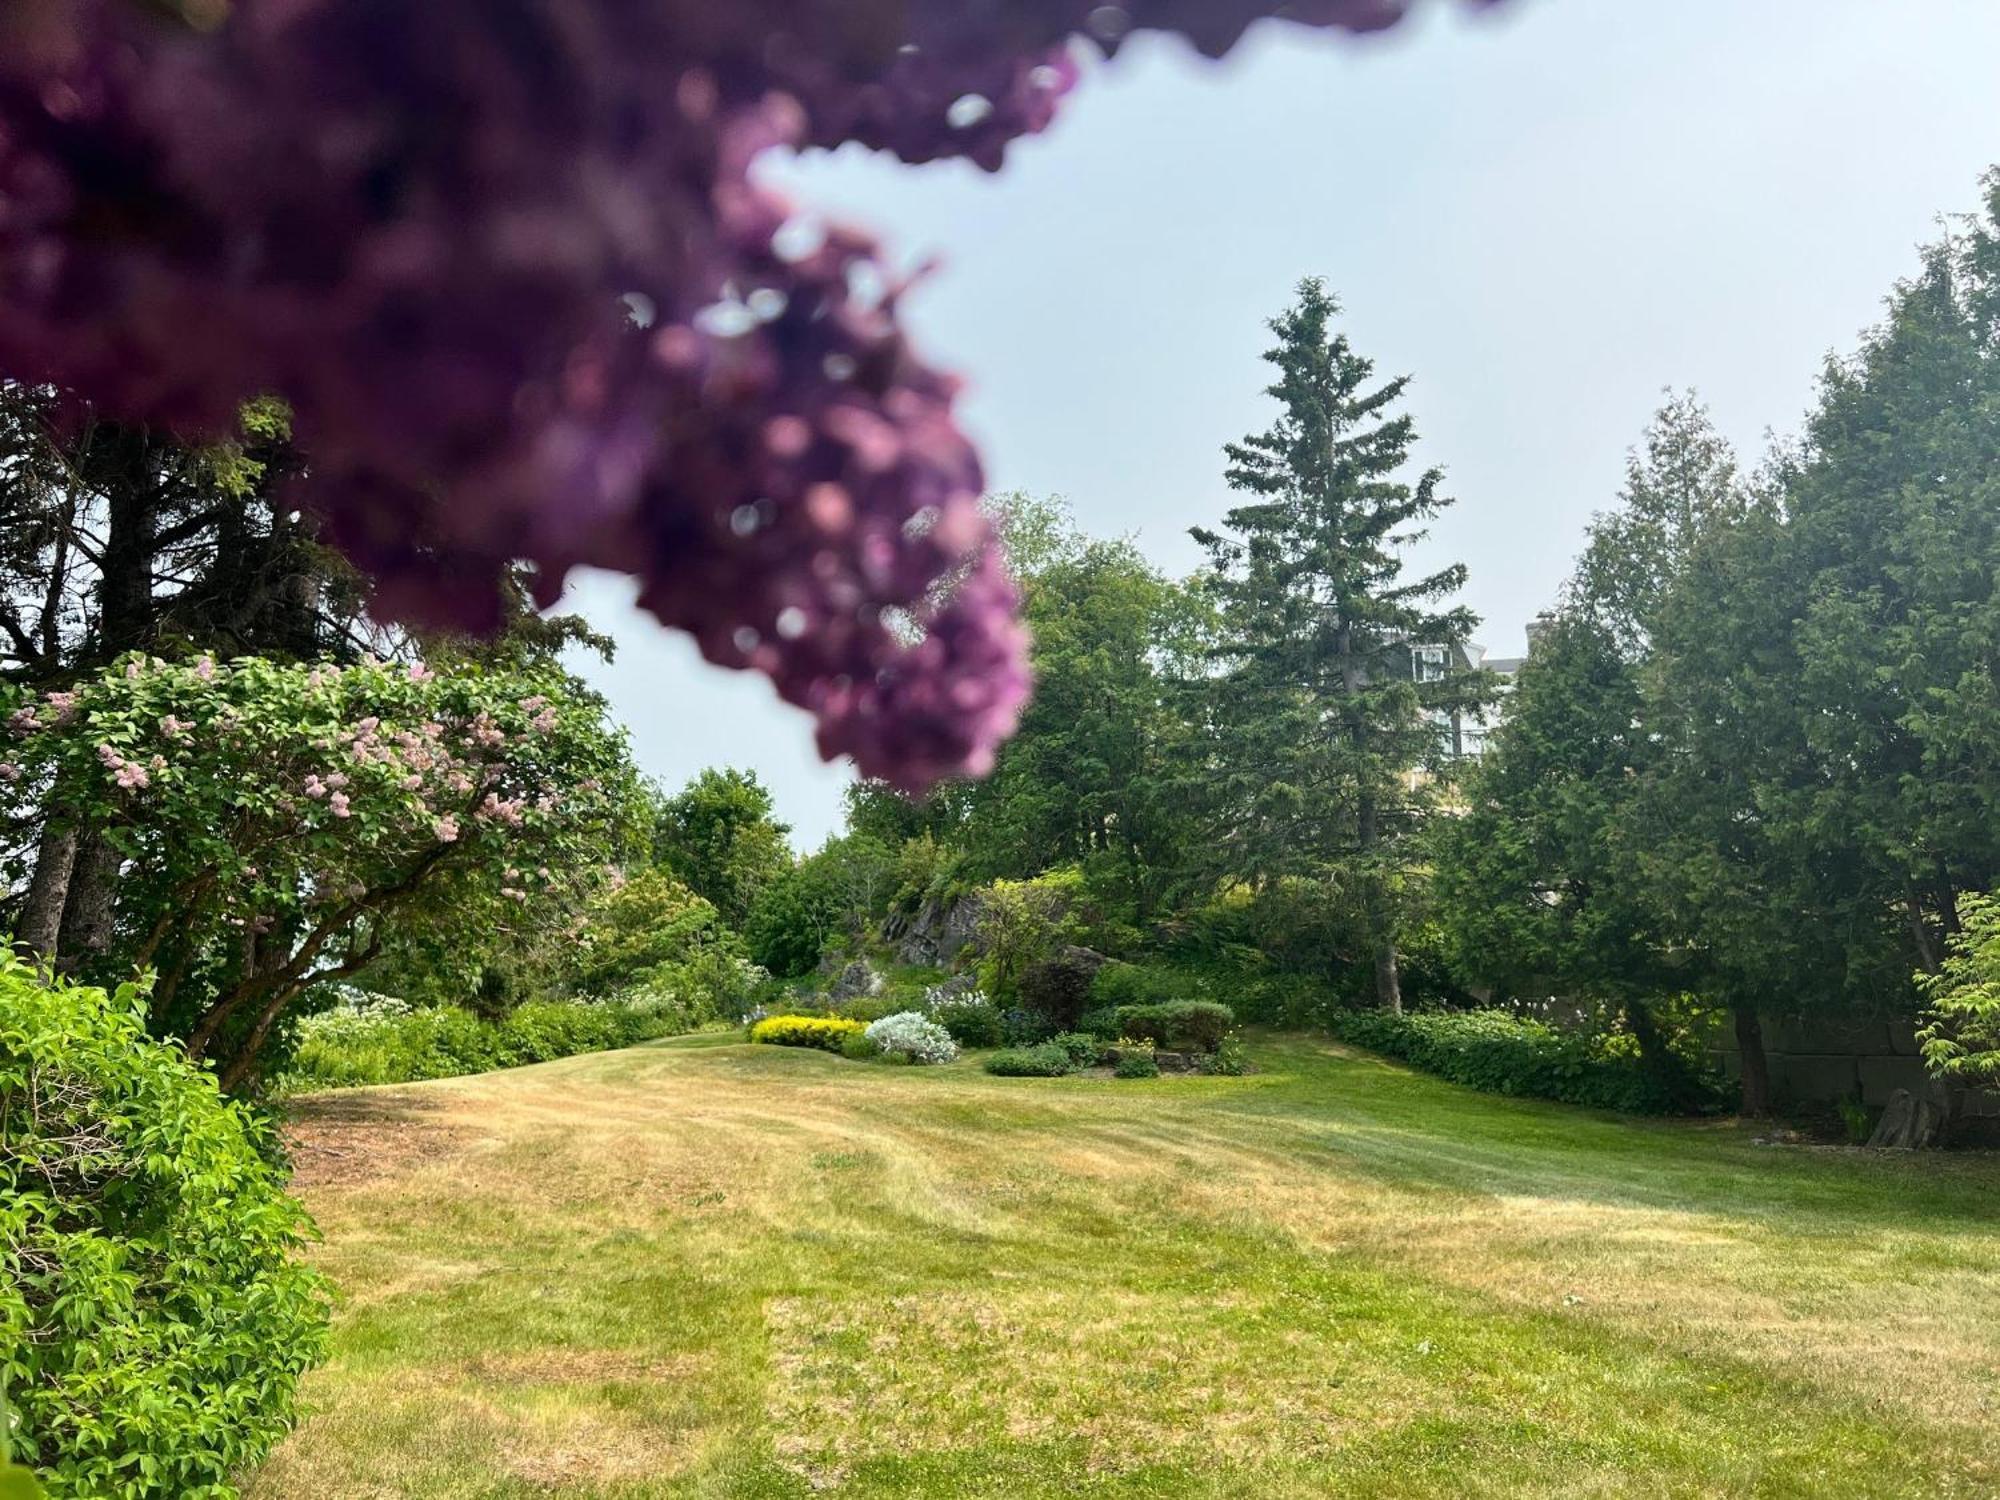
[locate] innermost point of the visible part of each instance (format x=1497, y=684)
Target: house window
x=1429, y=663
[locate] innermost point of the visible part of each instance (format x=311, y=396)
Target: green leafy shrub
x=866, y=1008
x=792, y=918
x=1021, y=1027
x=824, y=1032
x=1117, y=984
x=1144, y=1022
x=859, y=1046
x=1231, y=1059
x=1961, y=1037
x=1504, y=1054
x=1199, y=1024
x=1084, y=1050
x=154, y=1321
x=1101, y=1022
x=1136, y=1065
x=344, y=1048
x=972, y=1022
x=1044, y=1060
x=1021, y=923
x=1193, y=1025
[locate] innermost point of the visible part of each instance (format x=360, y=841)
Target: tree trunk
x=40, y=927
x=1388, y=978
x=1756, y=1067
x=88, y=914
x=125, y=583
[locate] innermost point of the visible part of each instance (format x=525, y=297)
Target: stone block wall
x=1816, y=1061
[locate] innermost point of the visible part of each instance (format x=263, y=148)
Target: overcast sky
x=1546, y=215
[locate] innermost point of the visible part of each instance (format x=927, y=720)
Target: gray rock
x=940, y=931
x=1910, y=1122
x=857, y=979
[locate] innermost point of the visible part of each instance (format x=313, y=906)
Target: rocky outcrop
x=939, y=932
x=856, y=980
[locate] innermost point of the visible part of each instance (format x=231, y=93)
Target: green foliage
x=1504, y=1054
x=1021, y=923
x=1231, y=1059
x=1961, y=1036
x=1199, y=1024
x=793, y=918
x=1084, y=1049
x=1322, y=710
x=860, y=1047
x=1135, y=1064
x=1059, y=986
x=287, y=825
x=154, y=1319
x=718, y=836
x=1192, y=1025
x=1857, y=1120
x=1021, y=1027
x=638, y=924
x=824, y=1032
x=1043, y=1060
x=344, y=1050
x=972, y=1023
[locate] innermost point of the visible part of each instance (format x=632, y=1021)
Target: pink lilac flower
x=205, y=669
x=337, y=804
x=447, y=830
x=9, y=771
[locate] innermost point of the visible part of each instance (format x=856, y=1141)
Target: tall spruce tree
x=1332, y=721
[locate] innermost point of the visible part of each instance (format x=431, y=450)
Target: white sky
x=1546, y=215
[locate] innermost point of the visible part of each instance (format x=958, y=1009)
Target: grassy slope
x=703, y=1269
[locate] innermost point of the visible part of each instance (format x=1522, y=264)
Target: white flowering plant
x=911, y=1034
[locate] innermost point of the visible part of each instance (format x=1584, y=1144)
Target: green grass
x=702, y=1269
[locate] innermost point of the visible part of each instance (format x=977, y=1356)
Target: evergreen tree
x=1335, y=686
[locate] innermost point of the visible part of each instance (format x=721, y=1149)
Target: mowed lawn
x=705, y=1269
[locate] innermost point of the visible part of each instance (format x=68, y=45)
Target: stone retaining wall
x=1817, y=1061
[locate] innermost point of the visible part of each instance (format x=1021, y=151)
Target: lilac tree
x=281, y=823
x=510, y=267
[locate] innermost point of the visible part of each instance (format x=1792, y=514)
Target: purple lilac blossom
x=509, y=265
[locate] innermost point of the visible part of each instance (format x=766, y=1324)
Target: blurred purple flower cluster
x=508, y=263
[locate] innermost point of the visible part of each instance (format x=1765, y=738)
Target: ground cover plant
x=1332, y=1277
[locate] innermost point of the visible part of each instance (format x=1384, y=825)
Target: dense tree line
x=1751, y=768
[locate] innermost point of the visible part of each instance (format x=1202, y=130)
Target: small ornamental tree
x=1962, y=1036
x=280, y=824
x=639, y=924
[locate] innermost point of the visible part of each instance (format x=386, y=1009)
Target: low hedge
x=1044, y=1060
x=828, y=1033
x=1195, y=1025
x=342, y=1050
x=1502, y=1053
